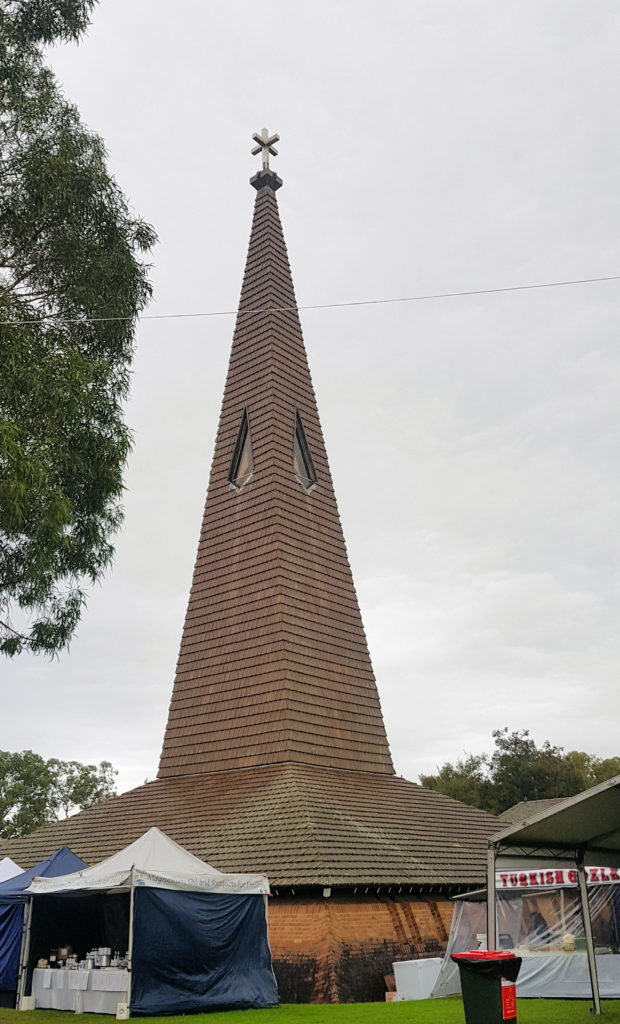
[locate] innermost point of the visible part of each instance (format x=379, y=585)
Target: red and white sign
x=509, y=999
x=553, y=877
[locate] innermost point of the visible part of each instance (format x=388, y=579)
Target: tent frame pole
x=132, y=892
x=24, y=953
x=587, y=926
x=491, y=922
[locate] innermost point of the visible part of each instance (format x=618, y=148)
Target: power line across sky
x=322, y=305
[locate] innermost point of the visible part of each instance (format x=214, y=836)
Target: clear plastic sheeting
x=545, y=928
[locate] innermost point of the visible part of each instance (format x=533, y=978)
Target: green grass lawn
x=427, y=1011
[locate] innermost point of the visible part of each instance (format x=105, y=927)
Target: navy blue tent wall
x=12, y=902
x=195, y=951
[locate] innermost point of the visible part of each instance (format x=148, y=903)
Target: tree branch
x=20, y=636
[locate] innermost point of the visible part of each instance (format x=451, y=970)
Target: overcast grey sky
x=426, y=146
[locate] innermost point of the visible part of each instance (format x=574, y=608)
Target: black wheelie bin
x=488, y=985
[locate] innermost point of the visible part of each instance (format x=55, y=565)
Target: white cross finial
x=265, y=146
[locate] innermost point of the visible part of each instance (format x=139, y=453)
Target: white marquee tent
x=197, y=938
x=8, y=869
x=582, y=830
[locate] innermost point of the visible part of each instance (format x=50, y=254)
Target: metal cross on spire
x=265, y=146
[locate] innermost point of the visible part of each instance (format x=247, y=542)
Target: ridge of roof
x=273, y=663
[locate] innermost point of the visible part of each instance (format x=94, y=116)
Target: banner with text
x=552, y=878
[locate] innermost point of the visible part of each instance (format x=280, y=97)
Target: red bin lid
x=483, y=954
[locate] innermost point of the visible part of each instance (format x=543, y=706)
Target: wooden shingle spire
x=273, y=665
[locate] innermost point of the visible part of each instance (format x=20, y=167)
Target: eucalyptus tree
x=517, y=769
x=72, y=283
x=35, y=791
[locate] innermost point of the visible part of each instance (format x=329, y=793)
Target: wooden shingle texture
x=299, y=824
x=273, y=665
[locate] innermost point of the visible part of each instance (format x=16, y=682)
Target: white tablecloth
x=81, y=991
x=566, y=975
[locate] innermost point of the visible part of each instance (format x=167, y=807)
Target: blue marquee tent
x=12, y=901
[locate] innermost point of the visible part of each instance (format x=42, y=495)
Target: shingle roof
x=299, y=824
x=526, y=808
x=274, y=664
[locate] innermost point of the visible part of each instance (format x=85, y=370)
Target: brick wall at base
x=338, y=949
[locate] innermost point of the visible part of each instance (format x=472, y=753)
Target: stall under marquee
x=539, y=917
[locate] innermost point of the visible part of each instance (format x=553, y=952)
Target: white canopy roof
x=588, y=822
x=157, y=861
x=8, y=869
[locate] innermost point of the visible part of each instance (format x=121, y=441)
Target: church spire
x=273, y=665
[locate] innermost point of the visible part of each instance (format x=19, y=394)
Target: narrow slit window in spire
x=302, y=460
x=242, y=465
